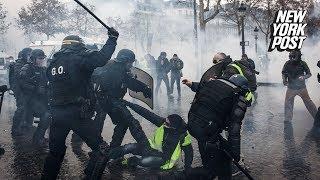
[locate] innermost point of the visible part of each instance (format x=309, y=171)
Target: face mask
x=128, y=66
x=41, y=62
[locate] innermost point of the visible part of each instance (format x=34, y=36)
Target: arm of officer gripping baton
x=96, y=59
x=148, y=115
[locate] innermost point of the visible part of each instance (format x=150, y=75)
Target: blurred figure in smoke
x=3, y=89
x=176, y=73
x=317, y=117
x=163, y=68
x=15, y=86
x=152, y=64
x=34, y=82
x=294, y=73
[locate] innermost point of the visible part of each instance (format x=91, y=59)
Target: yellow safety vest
x=156, y=143
x=249, y=96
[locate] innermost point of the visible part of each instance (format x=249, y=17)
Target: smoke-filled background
x=152, y=26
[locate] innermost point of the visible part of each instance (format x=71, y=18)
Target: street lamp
x=256, y=30
x=242, y=13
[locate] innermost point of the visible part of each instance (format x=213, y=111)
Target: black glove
x=318, y=77
x=113, y=33
x=318, y=64
x=147, y=93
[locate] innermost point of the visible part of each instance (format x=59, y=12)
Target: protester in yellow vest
x=170, y=138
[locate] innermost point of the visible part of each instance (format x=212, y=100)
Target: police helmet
x=295, y=55
x=37, y=54
x=240, y=81
x=72, y=40
x=125, y=55
x=25, y=53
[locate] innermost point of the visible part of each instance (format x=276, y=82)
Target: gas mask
x=41, y=62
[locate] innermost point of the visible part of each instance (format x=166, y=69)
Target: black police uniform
x=218, y=105
x=33, y=80
x=69, y=76
x=114, y=79
x=14, y=73
x=176, y=73
x=163, y=68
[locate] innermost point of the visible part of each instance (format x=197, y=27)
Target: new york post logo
x=287, y=30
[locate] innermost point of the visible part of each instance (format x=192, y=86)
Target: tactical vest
x=249, y=96
x=68, y=82
x=214, y=101
x=156, y=143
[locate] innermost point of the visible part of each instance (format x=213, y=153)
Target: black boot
x=52, y=167
x=1, y=151
x=98, y=162
x=316, y=122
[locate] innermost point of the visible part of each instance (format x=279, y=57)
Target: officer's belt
x=66, y=100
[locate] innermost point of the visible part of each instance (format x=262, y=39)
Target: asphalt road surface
x=271, y=149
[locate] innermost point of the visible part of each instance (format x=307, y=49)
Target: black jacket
x=14, y=74
x=114, y=80
x=70, y=70
x=163, y=66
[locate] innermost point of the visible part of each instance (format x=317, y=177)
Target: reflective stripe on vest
x=249, y=96
x=156, y=143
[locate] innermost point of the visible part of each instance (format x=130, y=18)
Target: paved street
x=271, y=149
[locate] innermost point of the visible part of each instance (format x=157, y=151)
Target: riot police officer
x=34, y=82
x=14, y=71
x=113, y=80
x=218, y=105
x=69, y=75
x=176, y=73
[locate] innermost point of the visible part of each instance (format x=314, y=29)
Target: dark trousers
x=122, y=119
x=214, y=160
x=165, y=79
x=23, y=114
x=64, y=119
x=150, y=158
x=18, y=114
x=175, y=78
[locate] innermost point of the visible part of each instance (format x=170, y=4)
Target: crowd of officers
x=81, y=86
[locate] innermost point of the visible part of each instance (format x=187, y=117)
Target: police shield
x=145, y=78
